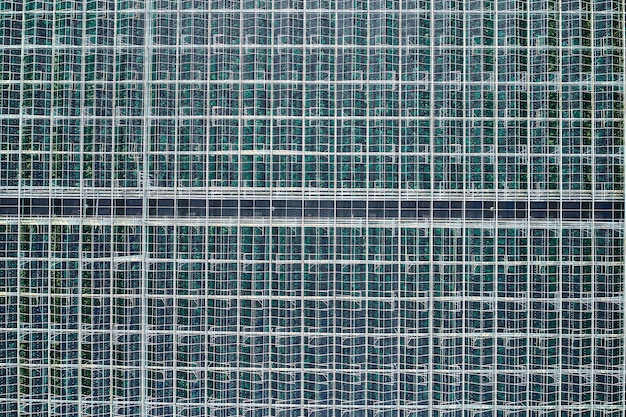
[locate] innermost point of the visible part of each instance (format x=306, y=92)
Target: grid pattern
x=518, y=97
x=312, y=208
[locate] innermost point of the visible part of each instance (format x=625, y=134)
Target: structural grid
x=312, y=208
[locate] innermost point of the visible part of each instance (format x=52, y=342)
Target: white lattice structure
x=312, y=208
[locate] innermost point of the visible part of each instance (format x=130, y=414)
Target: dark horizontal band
x=168, y=207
